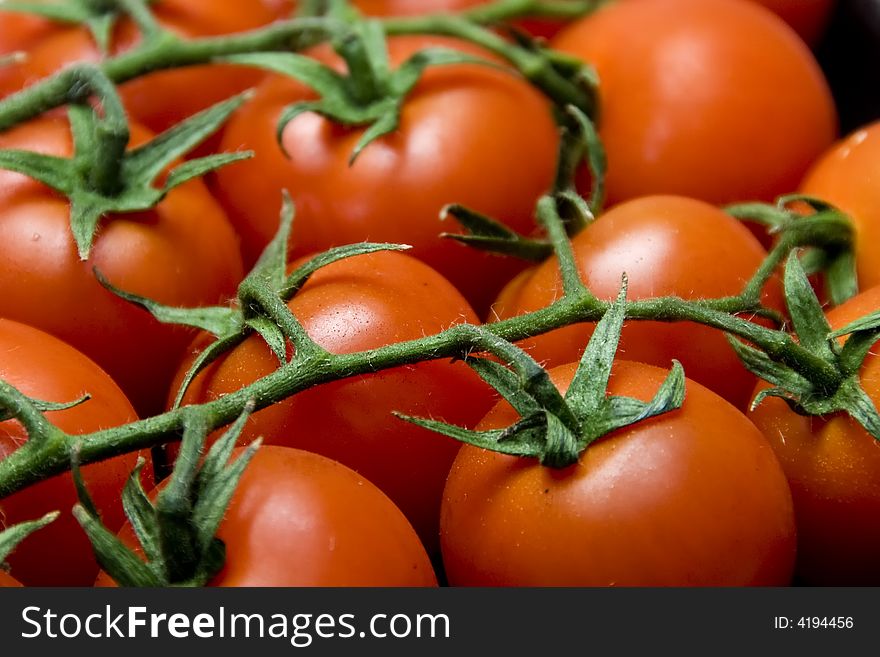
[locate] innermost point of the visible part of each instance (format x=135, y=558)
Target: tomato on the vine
x=164, y=98
x=833, y=467
x=694, y=497
x=713, y=99
x=468, y=134
x=361, y=303
x=845, y=177
x=300, y=519
x=181, y=253
x=667, y=246
x=46, y=369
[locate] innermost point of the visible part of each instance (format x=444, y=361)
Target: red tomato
x=44, y=368
x=182, y=253
x=807, y=17
x=468, y=134
x=299, y=519
x=845, y=177
x=668, y=246
x=358, y=304
x=693, y=498
x=833, y=467
x=691, y=106
x=161, y=99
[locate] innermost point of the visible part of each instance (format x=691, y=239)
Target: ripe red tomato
x=300, y=519
x=807, y=17
x=844, y=176
x=833, y=467
x=358, y=304
x=692, y=106
x=468, y=134
x=692, y=498
x=182, y=253
x=668, y=246
x=161, y=99
x=44, y=368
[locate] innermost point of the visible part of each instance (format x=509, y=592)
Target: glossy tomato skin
x=300, y=519
x=358, y=304
x=182, y=253
x=694, y=498
x=42, y=367
x=667, y=246
x=833, y=467
x=468, y=134
x=161, y=99
x=690, y=106
x=845, y=177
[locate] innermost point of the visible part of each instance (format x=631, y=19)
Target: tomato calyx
x=11, y=537
x=102, y=177
x=553, y=428
x=579, y=144
x=833, y=388
x=371, y=94
x=827, y=233
x=261, y=305
x=178, y=531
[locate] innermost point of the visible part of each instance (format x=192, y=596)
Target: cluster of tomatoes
x=703, y=103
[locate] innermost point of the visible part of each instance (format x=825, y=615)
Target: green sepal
x=863, y=335
x=101, y=28
x=599, y=414
x=11, y=537
x=553, y=429
x=46, y=406
x=271, y=334
x=114, y=557
x=506, y=383
x=807, y=316
x=207, y=356
x=271, y=267
x=128, y=185
x=841, y=277
x=518, y=440
x=177, y=533
x=217, y=320
x=343, y=99
x=766, y=369
x=588, y=388
x=299, y=276
x=487, y=234
x=140, y=513
x=216, y=491
x=580, y=144
x=771, y=217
